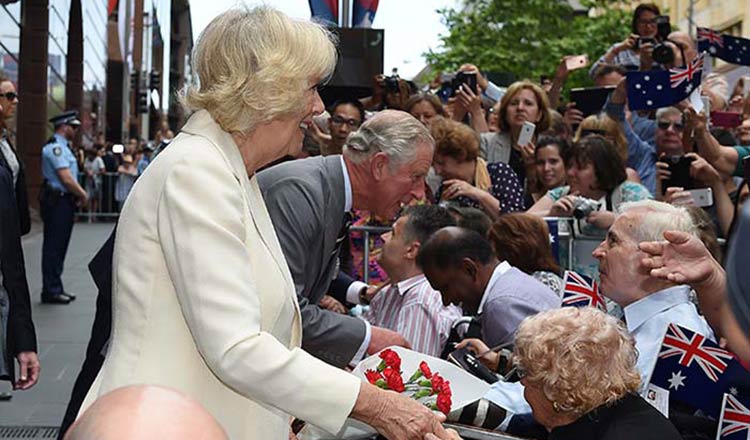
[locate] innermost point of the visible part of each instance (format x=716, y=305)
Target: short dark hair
x=425, y=220
x=449, y=250
x=349, y=101
x=472, y=218
x=561, y=143
x=597, y=150
x=643, y=7
x=605, y=69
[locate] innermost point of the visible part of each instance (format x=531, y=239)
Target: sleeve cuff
x=360, y=354
x=352, y=292
x=493, y=92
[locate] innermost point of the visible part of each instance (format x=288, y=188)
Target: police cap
x=70, y=118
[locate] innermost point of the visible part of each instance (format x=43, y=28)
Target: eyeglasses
x=644, y=21
x=664, y=125
x=10, y=96
x=338, y=120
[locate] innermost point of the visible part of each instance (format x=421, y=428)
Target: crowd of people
x=249, y=310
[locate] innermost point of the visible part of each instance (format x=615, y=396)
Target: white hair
x=667, y=111
x=658, y=217
x=394, y=132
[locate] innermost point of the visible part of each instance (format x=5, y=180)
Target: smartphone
x=467, y=78
x=577, y=62
x=702, y=197
x=679, y=166
x=590, y=100
x=706, y=105
x=726, y=119
x=745, y=85
x=466, y=360
x=527, y=132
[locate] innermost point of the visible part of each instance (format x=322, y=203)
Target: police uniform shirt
x=57, y=155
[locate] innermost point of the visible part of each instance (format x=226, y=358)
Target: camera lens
x=663, y=54
x=579, y=213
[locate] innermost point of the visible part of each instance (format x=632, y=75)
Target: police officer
x=58, y=198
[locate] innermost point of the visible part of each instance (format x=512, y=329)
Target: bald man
x=145, y=411
x=461, y=265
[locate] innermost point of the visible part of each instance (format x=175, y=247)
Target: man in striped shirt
x=409, y=305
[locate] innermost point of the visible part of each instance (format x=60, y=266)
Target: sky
x=411, y=26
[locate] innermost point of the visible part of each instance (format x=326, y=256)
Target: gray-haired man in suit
x=383, y=167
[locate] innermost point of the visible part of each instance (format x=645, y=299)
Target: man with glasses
x=346, y=116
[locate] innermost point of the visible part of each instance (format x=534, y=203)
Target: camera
x=583, y=206
x=663, y=53
x=391, y=82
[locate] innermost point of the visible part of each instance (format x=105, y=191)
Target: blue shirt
x=56, y=155
x=143, y=164
x=641, y=154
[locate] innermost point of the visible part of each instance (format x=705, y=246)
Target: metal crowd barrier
x=366, y=231
x=102, y=205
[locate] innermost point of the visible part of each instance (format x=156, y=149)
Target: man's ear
x=413, y=250
x=379, y=166
x=469, y=267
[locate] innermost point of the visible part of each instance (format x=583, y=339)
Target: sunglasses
x=664, y=125
x=338, y=120
x=10, y=96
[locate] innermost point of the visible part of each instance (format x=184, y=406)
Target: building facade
x=105, y=58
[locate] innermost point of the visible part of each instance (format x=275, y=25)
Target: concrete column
x=32, y=126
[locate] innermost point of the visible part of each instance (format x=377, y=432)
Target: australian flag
x=661, y=88
x=581, y=291
x=696, y=371
x=326, y=11
x=364, y=13
x=734, y=423
x=731, y=49
x=554, y=239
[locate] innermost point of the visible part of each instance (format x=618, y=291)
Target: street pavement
x=62, y=330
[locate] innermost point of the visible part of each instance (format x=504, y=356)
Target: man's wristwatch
x=363, y=299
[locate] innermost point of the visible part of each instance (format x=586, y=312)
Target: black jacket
x=21, y=333
x=22, y=197
x=629, y=418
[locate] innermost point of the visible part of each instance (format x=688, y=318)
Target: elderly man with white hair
x=649, y=304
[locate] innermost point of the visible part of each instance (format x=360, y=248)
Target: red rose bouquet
x=424, y=386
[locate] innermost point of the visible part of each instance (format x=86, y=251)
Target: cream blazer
x=203, y=300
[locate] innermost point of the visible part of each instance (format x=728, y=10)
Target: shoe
x=5, y=396
x=71, y=296
x=55, y=299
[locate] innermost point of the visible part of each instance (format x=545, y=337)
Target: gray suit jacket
x=305, y=199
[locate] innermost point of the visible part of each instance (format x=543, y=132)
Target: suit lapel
x=202, y=124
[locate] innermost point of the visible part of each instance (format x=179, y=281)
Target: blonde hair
x=255, y=65
x=611, y=129
x=580, y=357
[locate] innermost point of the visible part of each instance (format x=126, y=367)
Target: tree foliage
x=528, y=37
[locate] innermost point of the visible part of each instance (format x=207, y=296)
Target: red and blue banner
x=364, y=13
x=325, y=10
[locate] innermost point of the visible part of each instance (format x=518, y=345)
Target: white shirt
x=352, y=292
x=647, y=320
x=10, y=157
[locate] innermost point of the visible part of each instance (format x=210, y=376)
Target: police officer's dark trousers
x=57, y=213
